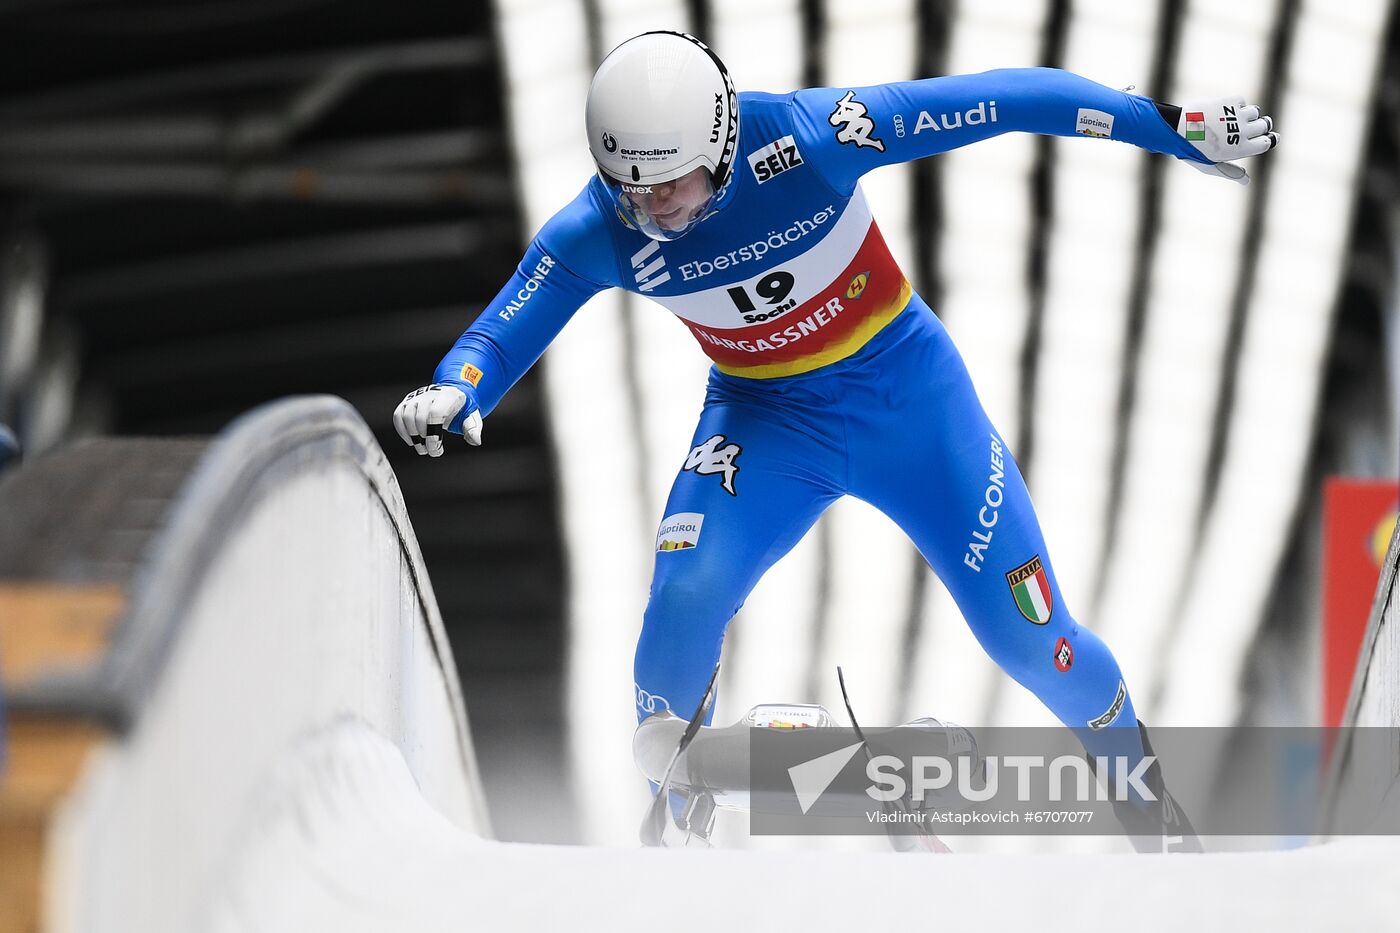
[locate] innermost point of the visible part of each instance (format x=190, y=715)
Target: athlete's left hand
x=1226, y=129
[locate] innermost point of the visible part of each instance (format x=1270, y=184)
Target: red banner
x=1358, y=518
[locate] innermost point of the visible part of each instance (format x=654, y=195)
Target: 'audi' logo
x=650, y=703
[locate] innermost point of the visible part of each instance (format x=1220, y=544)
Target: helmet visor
x=668, y=209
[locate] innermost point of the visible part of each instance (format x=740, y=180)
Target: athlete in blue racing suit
x=831, y=376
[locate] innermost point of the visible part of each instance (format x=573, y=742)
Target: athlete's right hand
x=424, y=414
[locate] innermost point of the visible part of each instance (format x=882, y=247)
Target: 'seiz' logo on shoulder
x=710, y=458
x=774, y=159
x=855, y=125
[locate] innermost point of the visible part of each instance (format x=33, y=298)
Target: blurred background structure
x=207, y=204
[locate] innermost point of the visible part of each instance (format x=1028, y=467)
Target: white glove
x=425, y=413
x=1226, y=129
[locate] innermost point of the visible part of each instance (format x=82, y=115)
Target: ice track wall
x=284, y=613
x=1375, y=694
x=1375, y=690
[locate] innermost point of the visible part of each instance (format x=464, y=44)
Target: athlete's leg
x=925, y=453
x=755, y=480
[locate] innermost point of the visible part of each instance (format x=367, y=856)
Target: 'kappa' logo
x=709, y=458
x=855, y=126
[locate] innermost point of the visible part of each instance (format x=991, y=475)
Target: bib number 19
x=773, y=287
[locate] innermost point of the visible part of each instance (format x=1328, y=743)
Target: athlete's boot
x=1160, y=825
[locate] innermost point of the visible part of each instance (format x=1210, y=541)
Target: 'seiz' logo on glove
x=855, y=125
x=710, y=458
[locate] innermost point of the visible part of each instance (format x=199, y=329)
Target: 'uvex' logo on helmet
x=719, y=118
x=609, y=142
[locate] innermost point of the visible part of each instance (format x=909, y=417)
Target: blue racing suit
x=831, y=376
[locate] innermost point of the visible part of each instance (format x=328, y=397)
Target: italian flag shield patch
x=1031, y=588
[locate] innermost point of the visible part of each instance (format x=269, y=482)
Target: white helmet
x=663, y=126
